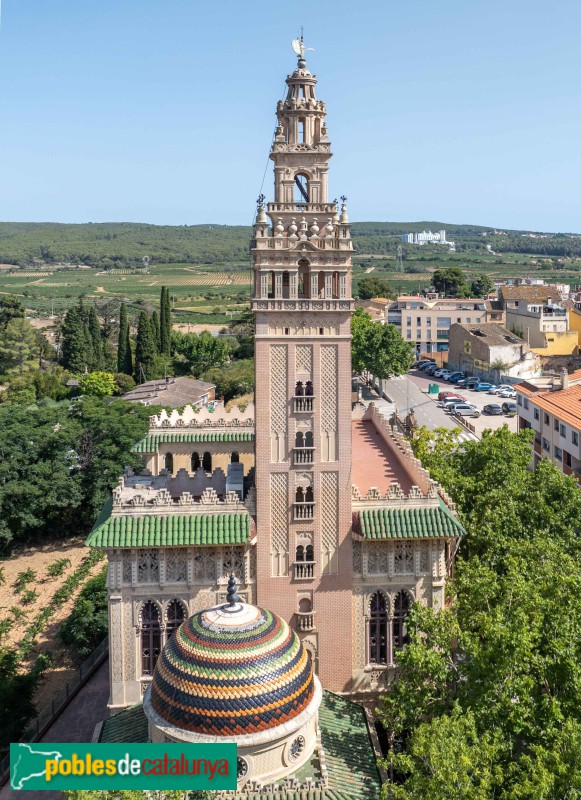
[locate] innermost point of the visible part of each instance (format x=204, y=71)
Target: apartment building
x=536, y=315
x=551, y=406
x=427, y=322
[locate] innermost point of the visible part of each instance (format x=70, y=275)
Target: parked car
x=426, y=364
x=507, y=393
x=492, y=408
x=456, y=376
x=449, y=395
x=451, y=401
x=446, y=374
x=464, y=410
x=421, y=362
x=483, y=387
x=501, y=388
x=471, y=383
x=509, y=408
x=431, y=368
x=438, y=373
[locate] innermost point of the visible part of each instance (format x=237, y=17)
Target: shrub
x=29, y=597
x=57, y=569
x=23, y=579
x=86, y=626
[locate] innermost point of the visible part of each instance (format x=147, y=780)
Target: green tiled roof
x=129, y=725
x=151, y=530
x=435, y=522
x=348, y=749
x=150, y=443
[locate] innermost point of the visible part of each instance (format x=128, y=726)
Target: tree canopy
x=450, y=282
x=486, y=698
x=378, y=348
x=372, y=286
x=200, y=351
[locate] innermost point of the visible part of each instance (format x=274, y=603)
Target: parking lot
x=478, y=399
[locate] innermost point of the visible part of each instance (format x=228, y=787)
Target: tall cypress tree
x=75, y=352
x=96, y=340
x=145, y=350
x=165, y=322
x=124, y=360
x=155, y=324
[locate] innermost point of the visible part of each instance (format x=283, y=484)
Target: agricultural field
x=38, y=588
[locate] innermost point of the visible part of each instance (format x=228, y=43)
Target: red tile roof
x=564, y=404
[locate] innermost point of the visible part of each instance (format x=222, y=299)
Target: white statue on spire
x=298, y=45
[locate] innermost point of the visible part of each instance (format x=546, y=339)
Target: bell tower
x=302, y=305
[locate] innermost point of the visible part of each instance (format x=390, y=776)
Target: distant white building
x=425, y=237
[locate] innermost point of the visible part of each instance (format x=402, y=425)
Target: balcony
x=301, y=208
x=306, y=620
x=303, y=455
x=303, y=304
x=304, y=570
x=304, y=510
x=303, y=404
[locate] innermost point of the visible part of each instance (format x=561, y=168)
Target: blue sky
x=163, y=112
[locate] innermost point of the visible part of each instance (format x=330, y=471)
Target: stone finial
x=232, y=592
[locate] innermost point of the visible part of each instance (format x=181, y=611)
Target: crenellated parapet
x=424, y=483
x=395, y=497
x=196, y=418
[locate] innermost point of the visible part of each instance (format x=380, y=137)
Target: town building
x=375, y=307
x=320, y=510
x=427, y=322
x=425, y=237
x=490, y=350
x=536, y=314
x=551, y=406
x=172, y=392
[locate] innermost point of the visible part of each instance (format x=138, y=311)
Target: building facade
x=319, y=509
x=535, y=314
x=427, y=322
x=489, y=350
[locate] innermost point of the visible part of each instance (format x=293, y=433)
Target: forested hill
x=108, y=245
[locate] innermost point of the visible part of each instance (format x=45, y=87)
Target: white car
x=502, y=388
x=507, y=393
x=438, y=373
x=464, y=410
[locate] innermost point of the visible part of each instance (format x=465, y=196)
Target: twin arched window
x=304, y=439
x=305, y=553
x=205, y=462
x=151, y=631
x=386, y=633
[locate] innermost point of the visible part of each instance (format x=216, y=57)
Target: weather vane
x=343, y=198
x=298, y=45
x=260, y=201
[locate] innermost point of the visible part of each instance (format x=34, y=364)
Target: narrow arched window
x=234, y=457
x=299, y=389
x=150, y=637
x=309, y=389
x=169, y=463
x=300, y=495
x=401, y=607
x=300, y=553
x=309, y=553
x=207, y=461
x=377, y=630
x=309, y=439
x=309, y=496
x=195, y=462
x=299, y=439
x=174, y=616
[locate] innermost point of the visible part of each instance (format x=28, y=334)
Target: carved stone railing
x=303, y=455
x=306, y=620
x=203, y=418
x=304, y=570
x=303, y=404
x=304, y=511
x=302, y=305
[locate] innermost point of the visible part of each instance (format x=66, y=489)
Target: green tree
x=373, y=286
x=165, y=322
x=76, y=353
x=124, y=358
x=481, y=286
x=18, y=346
x=378, y=348
x=156, y=330
x=498, y=675
x=145, y=367
x=98, y=384
x=96, y=339
x=16, y=693
x=86, y=626
x=10, y=308
x=450, y=282
x=124, y=383
x=232, y=380
x=200, y=352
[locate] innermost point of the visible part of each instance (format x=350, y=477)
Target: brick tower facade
x=302, y=305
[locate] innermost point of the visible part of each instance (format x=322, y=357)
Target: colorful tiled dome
x=232, y=672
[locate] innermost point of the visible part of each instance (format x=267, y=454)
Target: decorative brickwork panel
x=304, y=359
x=176, y=566
x=148, y=566
x=329, y=403
x=424, y=557
x=116, y=639
x=233, y=562
x=279, y=528
x=377, y=558
x=403, y=558
x=205, y=565
x=278, y=401
x=129, y=642
x=127, y=562
x=329, y=525
x=357, y=558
